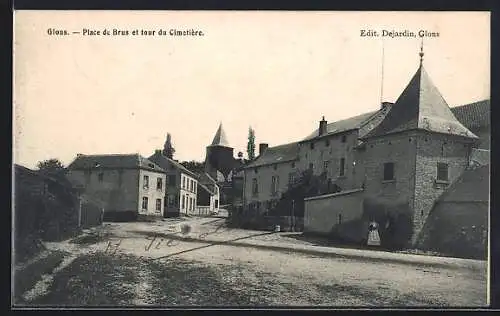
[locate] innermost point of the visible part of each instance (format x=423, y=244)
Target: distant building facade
x=208, y=195
x=129, y=185
x=409, y=151
x=182, y=186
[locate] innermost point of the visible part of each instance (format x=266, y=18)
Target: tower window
x=343, y=139
x=293, y=164
x=312, y=145
x=327, y=142
x=256, y=170
x=442, y=171
x=389, y=171
x=255, y=187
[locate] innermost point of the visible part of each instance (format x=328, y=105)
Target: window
x=442, y=171
x=183, y=205
x=389, y=171
x=274, y=184
x=325, y=164
x=158, y=205
x=159, y=184
x=216, y=203
x=145, y=183
x=275, y=167
x=311, y=166
x=312, y=145
x=144, y=203
x=293, y=164
x=342, y=167
x=256, y=170
x=183, y=182
x=291, y=178
x=340, y=219
x=87, y=176
x=100, y=177
x=255, y=187
x=327, y=142
x=343, y=139
x=120, y=178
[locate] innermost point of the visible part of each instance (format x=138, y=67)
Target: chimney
x=322, y=126
x=262, y=148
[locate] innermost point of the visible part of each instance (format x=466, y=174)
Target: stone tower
x=416, y=151
x=219, y=159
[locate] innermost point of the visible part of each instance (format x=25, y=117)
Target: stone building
x=128, y=185
x=224, y=168
x=406, y=153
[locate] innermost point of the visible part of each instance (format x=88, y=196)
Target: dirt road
x=138, y=264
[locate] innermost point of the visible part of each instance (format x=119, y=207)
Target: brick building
x=407, y=152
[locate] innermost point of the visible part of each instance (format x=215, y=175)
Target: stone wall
x=431, y=150
x=324, y=214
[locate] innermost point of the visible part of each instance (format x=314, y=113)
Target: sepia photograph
x=250, y=159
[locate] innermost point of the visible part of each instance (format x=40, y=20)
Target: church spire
x=220, y=138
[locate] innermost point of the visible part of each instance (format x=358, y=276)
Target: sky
x=278, y=72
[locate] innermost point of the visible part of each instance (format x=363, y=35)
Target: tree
x=52, y=167
x=194, y=166
x=251, y=144
x=168, y=149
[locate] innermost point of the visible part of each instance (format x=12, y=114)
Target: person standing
x=373, y=235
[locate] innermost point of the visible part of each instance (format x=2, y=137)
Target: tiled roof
x=473, y=185
x=276, y=154
x=342, y=125
x=165, y=162
x=421, y=106
x=220, y=138
x=475, y=115
x=207, y=182
x=205, y=187
x=113, y=161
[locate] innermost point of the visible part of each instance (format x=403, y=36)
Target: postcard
x=251, y=159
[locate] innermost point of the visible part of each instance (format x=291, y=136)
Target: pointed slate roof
x=220, y=138
x=421, y=106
